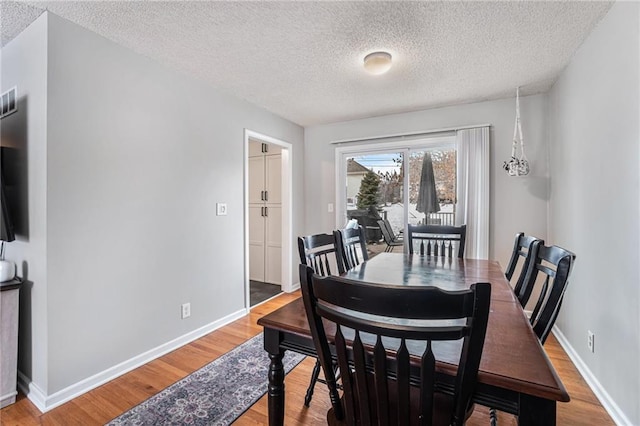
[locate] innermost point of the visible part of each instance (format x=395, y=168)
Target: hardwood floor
x=110, y=400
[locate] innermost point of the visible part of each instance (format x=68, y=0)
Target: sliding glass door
x=402, y=182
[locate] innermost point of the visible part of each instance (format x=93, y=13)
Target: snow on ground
x=395, y=214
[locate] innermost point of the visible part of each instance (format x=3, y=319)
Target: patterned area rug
x=216, y=394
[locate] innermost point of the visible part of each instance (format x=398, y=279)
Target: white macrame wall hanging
x=517, y=165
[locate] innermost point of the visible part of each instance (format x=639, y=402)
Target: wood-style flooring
x=110, y=400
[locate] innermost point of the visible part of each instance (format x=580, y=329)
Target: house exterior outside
x=355, y=174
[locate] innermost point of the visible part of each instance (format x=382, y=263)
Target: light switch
x=330, y=207
x=221, y=209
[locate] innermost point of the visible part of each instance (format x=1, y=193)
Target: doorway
x=268, y=216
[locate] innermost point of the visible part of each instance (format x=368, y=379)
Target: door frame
x=287, y=214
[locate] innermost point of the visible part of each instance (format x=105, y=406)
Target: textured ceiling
x=302, y=60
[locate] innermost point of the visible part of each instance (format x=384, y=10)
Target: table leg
x=536, y=411
x=275, y=390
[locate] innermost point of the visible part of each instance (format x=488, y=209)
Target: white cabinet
x=265, y=213
x=9, y=301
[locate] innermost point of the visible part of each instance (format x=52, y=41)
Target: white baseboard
x=32, y=391
x=294, y=287
x=46, y=402
x=603, y=396
x=8, y=399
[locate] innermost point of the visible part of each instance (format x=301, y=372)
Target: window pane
x=374, y=191
x=432, y=186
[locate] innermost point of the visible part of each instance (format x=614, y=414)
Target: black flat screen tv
x=6, y=226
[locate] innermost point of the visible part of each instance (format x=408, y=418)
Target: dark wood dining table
x=515, y=374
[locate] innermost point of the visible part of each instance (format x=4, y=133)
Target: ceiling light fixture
x=377, y=63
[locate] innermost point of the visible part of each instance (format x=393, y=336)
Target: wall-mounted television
x=6, y=225
x=14, y=207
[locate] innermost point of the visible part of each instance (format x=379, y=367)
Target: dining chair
x=374, y=325
x=440, y=240
x=318, y=252
x=521, y=249
x=553, y=265
x=351, y=247
x=388, y=237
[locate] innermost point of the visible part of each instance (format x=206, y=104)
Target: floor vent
x=8, y=102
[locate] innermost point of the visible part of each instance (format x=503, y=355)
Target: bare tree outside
x=444, y=169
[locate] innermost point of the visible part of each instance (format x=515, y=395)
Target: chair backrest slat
x=382, y=382
x=380, y=372
x=403, y=372
x=428, y=377
x=347, y=383
x=362, y=385
x=437, y=240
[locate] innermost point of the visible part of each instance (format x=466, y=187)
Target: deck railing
x=440, y=218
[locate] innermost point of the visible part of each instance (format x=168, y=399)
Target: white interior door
x=265, y=213
x=273, y=177
x=273, y=250
x=256, y=179
x=256, y=242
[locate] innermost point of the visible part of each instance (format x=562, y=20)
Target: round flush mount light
x=377, y=63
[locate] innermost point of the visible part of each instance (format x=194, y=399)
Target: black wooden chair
x=521, y=249
x=554, y=264
x=387, y=235
x=437, y=240
x=351, y=246
x=318, y=252
x=381, y=383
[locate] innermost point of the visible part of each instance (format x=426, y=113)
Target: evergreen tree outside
x=368, y=194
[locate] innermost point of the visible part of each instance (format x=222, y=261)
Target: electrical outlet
x=186, y=310
x=590, y=341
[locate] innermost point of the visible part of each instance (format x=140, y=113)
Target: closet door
x=273, y=243
x=256, y=149
x=256, y=243
x=265, y=213
x=256, y=179
x=273, y=177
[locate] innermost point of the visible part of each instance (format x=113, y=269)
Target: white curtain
x=473, y=189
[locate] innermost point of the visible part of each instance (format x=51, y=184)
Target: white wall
x=516, y=204
x=594, y=204
x=24, y=64
x=137, y=157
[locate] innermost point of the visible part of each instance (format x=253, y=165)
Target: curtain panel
x=473, y=189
